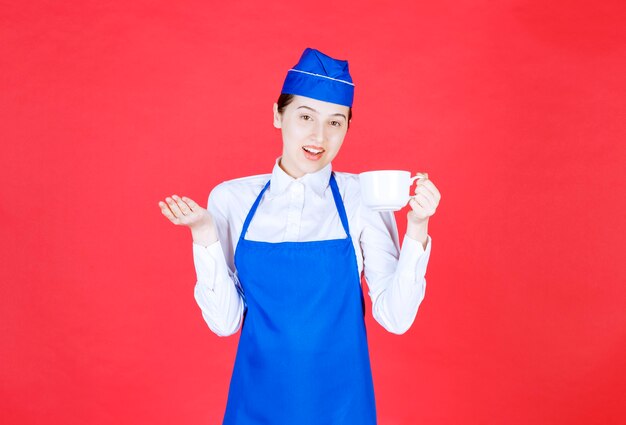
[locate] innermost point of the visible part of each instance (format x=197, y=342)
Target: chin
x=313, y=167
x=307, y=166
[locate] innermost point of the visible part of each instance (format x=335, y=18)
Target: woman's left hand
x=424, y=202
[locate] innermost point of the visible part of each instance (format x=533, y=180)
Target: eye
x=306, y=117
x=335, y=123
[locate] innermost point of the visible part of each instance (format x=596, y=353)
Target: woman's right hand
x=186, y=212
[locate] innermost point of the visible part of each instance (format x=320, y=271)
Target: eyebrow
x=332, y=115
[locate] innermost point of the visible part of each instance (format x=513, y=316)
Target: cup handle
x=416, y=177
x=419, y=176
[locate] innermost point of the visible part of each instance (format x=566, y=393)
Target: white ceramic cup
x=387, y=190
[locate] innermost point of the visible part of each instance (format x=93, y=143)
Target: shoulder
x=348, y=183
x=350, y=191
x=243, y=184
x=348, y=180
x=238, y=190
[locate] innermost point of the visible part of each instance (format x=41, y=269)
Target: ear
x=277, y=117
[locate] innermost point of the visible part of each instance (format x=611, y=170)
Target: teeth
x=311, y=150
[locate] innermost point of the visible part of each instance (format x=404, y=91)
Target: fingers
x=424, y=201
x=413, y=203
x=428, y=188
x=167, y=212
x=176, y=208
x=182, y=205
x=191, y=203
x=417, y=209
x=184, y=211
x=426, y=194
x=431, y=186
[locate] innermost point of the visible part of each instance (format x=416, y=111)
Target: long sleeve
x=217, y=289
x=395, y=277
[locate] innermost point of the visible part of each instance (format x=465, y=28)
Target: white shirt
x=299, y=210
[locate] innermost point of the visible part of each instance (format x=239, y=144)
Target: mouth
x=313, y=152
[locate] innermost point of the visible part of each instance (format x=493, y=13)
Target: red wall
x=516, y=109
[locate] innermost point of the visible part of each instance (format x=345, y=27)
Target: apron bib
x=302, y=357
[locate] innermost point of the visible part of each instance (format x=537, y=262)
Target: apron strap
x=252, y=211
x=339, y=203
x=336, y=196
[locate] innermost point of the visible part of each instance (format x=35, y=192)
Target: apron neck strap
x=339, y=203
x=336, y=196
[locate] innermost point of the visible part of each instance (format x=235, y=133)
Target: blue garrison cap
x=321, y=77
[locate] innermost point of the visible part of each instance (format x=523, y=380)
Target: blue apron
x=302, y=357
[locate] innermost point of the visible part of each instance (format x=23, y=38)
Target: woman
x=280, y=256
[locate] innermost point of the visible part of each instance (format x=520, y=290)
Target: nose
x=318, y=133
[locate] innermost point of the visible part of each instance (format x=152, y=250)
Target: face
x=313, y=132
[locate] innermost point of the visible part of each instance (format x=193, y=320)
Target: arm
x=217, y=289
x=418, y=231
x=395, y=277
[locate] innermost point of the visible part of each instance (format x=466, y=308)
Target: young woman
x=281, y=255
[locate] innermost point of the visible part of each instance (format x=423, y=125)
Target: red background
x=516, y=109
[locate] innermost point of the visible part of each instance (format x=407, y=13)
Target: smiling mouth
x=312, y=150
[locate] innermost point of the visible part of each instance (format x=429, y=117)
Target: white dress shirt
x=300, y=210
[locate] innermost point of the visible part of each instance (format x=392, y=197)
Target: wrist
x=204, y=235
x=418, y=230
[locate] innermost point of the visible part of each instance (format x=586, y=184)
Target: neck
x=288, y=170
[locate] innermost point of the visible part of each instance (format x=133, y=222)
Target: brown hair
x=285, y=99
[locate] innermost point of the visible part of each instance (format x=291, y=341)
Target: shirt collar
x=317, y=181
